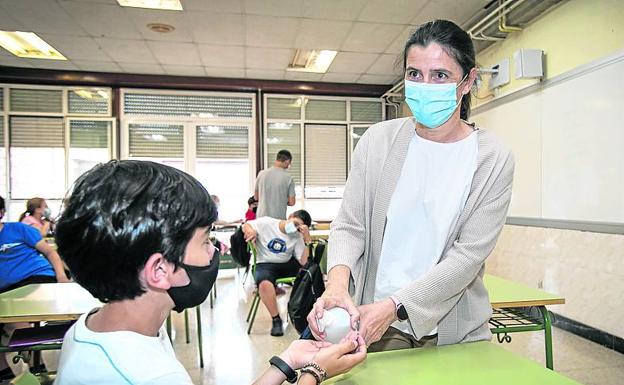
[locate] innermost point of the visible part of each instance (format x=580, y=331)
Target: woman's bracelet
x=316, y=371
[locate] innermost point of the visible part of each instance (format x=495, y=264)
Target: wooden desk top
x=45, y=302
x=477, y=363
x=506, y=293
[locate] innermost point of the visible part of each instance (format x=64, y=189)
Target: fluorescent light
x=169, y=5
x=28, y=44
x=155, y=137
x=312, y=61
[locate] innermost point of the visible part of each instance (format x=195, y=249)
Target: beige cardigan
x=451, y=295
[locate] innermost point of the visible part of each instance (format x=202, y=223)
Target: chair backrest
x=251, y=247
x=25, y=378
x=319, y=250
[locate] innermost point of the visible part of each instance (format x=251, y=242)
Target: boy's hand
x=250, y=233
x=305, y=232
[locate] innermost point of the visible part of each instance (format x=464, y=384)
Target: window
x=37, y=157
x=321, y=133
x=325, y=160
x=46, y=150
x=89, y=144
x=206, y=134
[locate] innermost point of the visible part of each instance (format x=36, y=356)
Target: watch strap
x=291, y=375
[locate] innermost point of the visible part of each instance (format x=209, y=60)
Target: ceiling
x=252, y=39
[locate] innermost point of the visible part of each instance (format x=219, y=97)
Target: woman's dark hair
x=31, y=205
x=304, y=216
x=454, y=40
x=119, y=214
x=2, y=204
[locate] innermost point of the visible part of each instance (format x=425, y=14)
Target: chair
x=187, y=333
x=255, y=303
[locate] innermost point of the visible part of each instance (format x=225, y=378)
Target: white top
x=273, y=245
x=429, y=196
x=122, y=357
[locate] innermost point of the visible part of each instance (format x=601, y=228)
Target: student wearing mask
x=281, y=251
x=425, y=201
x=135, y=234
x=37, y=215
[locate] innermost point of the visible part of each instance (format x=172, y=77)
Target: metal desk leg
x=200, y=340
x=547, y=336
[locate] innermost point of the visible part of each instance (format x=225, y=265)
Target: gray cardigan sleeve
x=433, y=295
x=347, y=237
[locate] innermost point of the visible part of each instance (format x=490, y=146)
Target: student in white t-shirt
x=281, y=246
x=135, y=235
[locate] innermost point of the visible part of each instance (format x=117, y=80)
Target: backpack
x=308, y=286
x=238, y=248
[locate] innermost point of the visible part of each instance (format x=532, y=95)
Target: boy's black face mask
x=202, y=278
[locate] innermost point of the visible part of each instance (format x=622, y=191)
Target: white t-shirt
x=430, y=194
x=122, y=357
x=273, y=245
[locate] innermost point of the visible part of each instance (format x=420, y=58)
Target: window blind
x=318, y=109
x=204, y=106
x=366, y=111
x=284, y=108
x=285, y=136
x=222, y=142
x=325, y=156
x=89, y=133
x=88, y=101
x=1, y=99
x=156, y=140
x=33, y=100
x=27, y=131
x=1, y=131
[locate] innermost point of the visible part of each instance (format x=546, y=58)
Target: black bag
x=308, y=286
x=238, y=248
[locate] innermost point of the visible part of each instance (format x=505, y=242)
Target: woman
x=37, y=215
x=423, y=206
x=25, y=258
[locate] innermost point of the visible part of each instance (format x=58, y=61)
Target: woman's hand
x=334, y=296
x=301, y=352
x=375, y=319
x=339, y=358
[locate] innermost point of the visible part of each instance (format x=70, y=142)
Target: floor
x=233, y=357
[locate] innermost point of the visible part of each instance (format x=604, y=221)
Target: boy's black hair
x=304, y=216
x=119, y=214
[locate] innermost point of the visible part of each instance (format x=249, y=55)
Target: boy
x=135, y=235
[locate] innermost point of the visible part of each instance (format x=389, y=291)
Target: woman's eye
x=441, y=76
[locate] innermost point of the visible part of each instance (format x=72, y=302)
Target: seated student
x=135, y=235
x=282, y=250
x=25, y=258
x=252, y=207
x=37, y=215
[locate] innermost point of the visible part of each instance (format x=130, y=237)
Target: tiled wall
x=586, y=268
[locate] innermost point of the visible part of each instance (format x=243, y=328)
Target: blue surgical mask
x=290, y=228
x=431, y=104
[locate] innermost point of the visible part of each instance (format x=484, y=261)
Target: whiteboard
x=568, y=141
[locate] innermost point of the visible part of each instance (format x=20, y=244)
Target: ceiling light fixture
x=168, y=5
x=28, y=44
x=312, y=60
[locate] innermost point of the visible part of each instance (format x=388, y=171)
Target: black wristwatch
x=401, y=312
x=291, y=375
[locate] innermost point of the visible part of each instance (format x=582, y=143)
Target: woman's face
x=41, y=208
x=431, y=64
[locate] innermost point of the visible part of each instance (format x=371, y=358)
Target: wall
x=585, y=267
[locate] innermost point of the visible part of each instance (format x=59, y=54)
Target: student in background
x=275, y=188
x=282, y=251
x=424, y=203
x=252, y=207
x=25, y=258
x=37, y=215
x=135, y=234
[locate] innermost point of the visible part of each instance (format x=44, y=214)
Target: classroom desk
x=509, y=301
x=45, y=302
x=477, y=363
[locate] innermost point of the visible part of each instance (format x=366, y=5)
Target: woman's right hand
x=335, y=295
x=340, y=358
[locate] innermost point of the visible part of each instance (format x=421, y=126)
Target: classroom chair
x=200, y=344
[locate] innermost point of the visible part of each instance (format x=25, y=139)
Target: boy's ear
x=157, y=272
